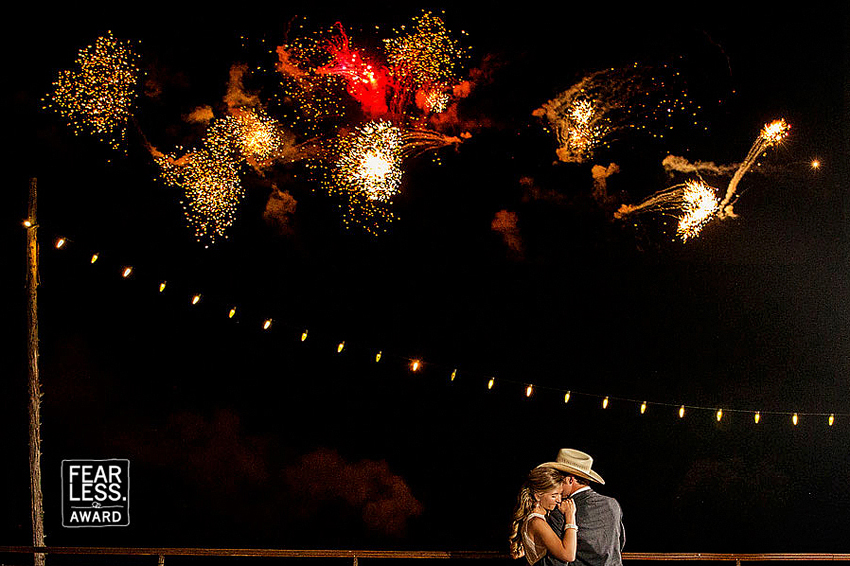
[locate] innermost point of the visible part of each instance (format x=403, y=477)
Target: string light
x=416, y=364
x=815, y=164
x=27, y=223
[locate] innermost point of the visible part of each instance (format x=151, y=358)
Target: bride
x=531, y=536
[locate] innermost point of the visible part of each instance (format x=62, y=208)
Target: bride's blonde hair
x=539, y=480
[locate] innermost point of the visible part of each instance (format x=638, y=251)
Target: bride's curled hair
x=539, y=480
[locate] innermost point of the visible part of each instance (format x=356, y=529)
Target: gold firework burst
x=98, y=95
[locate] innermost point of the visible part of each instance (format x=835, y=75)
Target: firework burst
x=365, y=81
x=98, y=95
x=369, y=161
x=257, y=136
x=586, y=116
x=693, y=204
x=427, y=54
x=210, y=175
x=211, y=187
x=366, y=174
x=423, y=59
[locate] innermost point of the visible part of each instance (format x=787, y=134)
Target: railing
x=354, y=555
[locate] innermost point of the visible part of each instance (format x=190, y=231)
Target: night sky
x=240, y=437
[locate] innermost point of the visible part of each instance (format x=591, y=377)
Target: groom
x=599, y=518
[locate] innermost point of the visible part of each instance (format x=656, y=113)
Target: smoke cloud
x=383, y=498
x=279, y=212
x=675, y=164
x=200, y=115
x=600, y=183
x=505, y=223
x=237, y=96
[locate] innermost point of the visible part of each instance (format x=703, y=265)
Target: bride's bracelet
x=570, y=526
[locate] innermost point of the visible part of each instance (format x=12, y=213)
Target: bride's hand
x=568, y=508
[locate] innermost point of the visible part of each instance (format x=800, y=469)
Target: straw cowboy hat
x=574, y=462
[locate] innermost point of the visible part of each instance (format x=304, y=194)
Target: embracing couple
x=560, y=518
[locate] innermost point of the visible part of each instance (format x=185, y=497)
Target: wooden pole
x=34, y=382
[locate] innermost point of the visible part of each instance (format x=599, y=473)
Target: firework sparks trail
x=770, y=135
x=415, y=142
x=585, y=116
x=693, y=204
x=99, y=94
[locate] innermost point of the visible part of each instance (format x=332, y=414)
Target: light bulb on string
x=196, y=299
x=378, y=357
x=605, y=403
x=415, y=365
x=232, y=312
x=454, y=375
x=126, y=272
x=794, y=419
x=94, y=257
x=643, y=407
x=60, y=243
x=831, y=419
x=491, y=383
x=719, y=414
x=267, y=324
x=757, y=417
x=340, y=347
x=566, y=397
x=304, y=336
x=682, y=412
x=529, y=391
x=162, y=286
x=27, y=223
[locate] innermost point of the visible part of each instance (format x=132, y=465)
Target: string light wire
x=416, y=365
